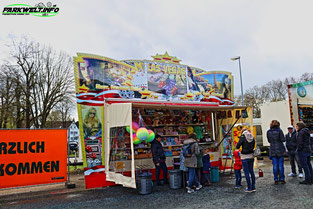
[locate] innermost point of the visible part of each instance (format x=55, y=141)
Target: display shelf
x=174, y=135
x=180, y=145
x=199, y=124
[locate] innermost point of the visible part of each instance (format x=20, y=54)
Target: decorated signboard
x=162, y=79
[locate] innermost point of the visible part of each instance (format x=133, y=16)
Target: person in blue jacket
x=159, y=159
x=275, y=137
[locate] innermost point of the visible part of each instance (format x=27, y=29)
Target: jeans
x=192, y=178
x=238, y=177
x=247, y=165
x=292, y=158
x=198, y=174
x=158, y=170
x=278, y=164
x=305, y=160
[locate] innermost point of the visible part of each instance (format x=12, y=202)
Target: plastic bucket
x=215, y=174
x=175, y=179
x=144, y=183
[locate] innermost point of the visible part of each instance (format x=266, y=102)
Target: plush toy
x=198, y=131
x=195, y=118
x=190, y=130
x=156, y=119
x=189, y=118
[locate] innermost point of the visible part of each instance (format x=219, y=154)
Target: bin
x=215, y=174
x=175, y=179
x=144, y=183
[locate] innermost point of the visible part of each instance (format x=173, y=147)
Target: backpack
x=187, y=150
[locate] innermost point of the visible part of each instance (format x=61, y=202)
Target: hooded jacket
x=275, y=137
x=157, y=152
x=206, y=163
x=247, y=142
x=291, y=141
x=191, y=162
x=238, y=163
x=303, y=140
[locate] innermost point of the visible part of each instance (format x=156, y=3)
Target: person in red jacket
x=237, y=168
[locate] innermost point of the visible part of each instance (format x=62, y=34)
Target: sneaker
x=276, y=182
x=189, y=190
x=248, y=190
x=292, y=174
x=305, y=182
x=300, y=175
x=282, y=182
x=253, y=190
x=198, y=187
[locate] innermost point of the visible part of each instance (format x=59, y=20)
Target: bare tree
x=65, y=108
x=23, y=53
x=7, y=86
x=53, y=83
x=44, y=78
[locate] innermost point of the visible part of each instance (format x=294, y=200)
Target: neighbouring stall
x=301, y=103
x=116, y=98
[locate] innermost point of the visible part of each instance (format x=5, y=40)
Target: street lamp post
x=242, y=98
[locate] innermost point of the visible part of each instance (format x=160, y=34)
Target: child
x=237, y=168
x=206, y=167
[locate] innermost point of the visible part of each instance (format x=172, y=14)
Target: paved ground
x=219, y=195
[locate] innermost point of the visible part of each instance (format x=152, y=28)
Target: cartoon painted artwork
x=213, y=83
x=167, y=79
x=228, y=144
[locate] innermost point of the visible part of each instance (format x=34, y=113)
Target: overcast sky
x=273, y=37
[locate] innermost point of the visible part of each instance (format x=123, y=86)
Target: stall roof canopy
x=176, y=105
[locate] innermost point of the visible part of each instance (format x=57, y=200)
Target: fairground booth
x=122, y=105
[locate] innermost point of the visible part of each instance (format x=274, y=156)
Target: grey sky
x=273, y=38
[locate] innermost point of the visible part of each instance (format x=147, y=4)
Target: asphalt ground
x=218, y=195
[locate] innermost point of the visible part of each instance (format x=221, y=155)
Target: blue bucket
x=215, y=174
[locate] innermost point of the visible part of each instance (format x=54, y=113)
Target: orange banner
x=30, y=157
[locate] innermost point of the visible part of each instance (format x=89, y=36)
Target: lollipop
x=135, y=126
x=151, y=136
x=136, y=140
x=142, y=133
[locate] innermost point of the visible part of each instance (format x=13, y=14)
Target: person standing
x=199, y=164
x=275, y=137
x=237, y=169
x=159, y=159
x=206, y=167
x=191, y=150
x=291, y=144
x=304, y=151
x=247, y=142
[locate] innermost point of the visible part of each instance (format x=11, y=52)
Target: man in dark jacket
x=275, y=137
x=159, y=159
x=291, y=144
x=304, y=151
